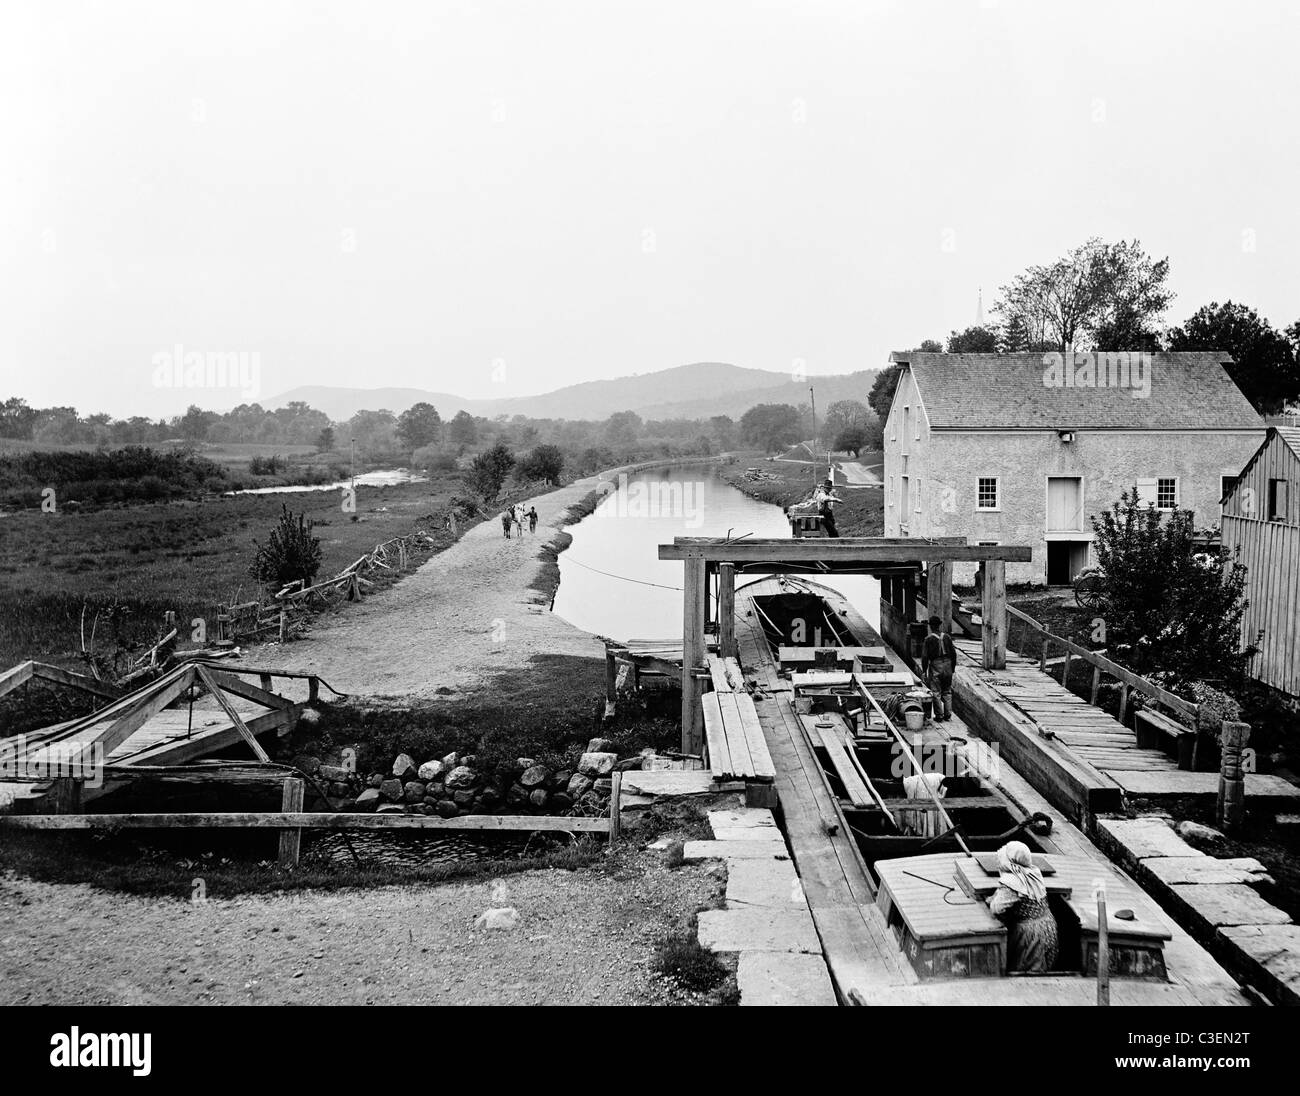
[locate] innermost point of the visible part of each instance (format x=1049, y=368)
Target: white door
x=1064, y=504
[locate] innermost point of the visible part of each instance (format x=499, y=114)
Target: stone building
x=1026, y=448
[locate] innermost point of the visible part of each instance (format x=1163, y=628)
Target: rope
x=622, y=578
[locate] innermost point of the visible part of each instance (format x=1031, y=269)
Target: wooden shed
x=1261, y=518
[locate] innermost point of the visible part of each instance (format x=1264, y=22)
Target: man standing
x=506, y=517
x=532, y=520
x=826, y=498
x=938, y=660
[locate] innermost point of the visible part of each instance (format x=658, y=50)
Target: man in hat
x=826, y=498
x=938, y=661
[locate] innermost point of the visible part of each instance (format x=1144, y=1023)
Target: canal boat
x=914, y=811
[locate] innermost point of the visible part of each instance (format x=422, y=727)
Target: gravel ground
x=583, y=937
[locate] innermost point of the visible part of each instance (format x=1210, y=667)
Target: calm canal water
x=612, y=582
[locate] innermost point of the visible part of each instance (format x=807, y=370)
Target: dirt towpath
x=464, y=616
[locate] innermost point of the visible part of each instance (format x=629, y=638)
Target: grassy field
x=132, y=564
x=861, y=514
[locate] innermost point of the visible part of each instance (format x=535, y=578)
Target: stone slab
x=1140, y=838
x=676, y=782
x=1273, y=953
x=1230, y=904
x=770, y=884
x=1178, y=783
x=742, y=818
x=770, y=834
x=759, y=930
x=735, y=850
x=1173, y=870
x=783, y=978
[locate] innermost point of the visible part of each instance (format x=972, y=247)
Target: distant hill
x=697, y=390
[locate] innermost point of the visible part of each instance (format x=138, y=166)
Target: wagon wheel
x=1090, y=590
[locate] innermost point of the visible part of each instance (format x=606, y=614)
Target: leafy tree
x=419, y=425
x=196, y=422
x=325, y=440
x=930, y=346
x=1171, y=607
x=374, y=430
x=974, y=340
x=851, y=440
x=1098, y=292
x=843, y=415
x=489, y=470
x=16, y=418
x=770, y=426
x=462, y=430
x=882, y=391
x=546, y=462
x=723, y=431
x=290, y=554
x=623, y=428
x=1264, y=362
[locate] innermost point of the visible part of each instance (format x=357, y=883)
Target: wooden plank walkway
x=1091, y=734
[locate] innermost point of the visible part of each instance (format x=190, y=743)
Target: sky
x=501, y=198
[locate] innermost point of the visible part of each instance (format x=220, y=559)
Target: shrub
x=290, y=554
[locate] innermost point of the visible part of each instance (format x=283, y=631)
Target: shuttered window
x=1277, y=500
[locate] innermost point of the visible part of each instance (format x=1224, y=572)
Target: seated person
x=1020, y=903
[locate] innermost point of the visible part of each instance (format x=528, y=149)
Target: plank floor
x=1091, y=734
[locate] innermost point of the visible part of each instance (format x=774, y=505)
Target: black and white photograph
x=649, y=503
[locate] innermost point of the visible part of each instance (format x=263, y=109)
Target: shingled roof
x=1188, y=391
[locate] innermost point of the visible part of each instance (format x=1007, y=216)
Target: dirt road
x=465, y=615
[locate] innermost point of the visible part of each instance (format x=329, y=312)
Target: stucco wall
x=949, y=464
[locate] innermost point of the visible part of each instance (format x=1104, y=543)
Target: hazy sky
x=500, y=198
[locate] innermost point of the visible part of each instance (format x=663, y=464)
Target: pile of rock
x=455, y=785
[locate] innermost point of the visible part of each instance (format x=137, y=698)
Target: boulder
x=451, y=760
x=561, y=802
x=431, y=770
x=462, y=776
x=375, y=780
x=517, y=796
x=426, y=808
x=629, y=764
x=413, y=791
x=499, y=920
x=463, y=797
x=489, y=799
x=402, y=765
x=601, y=745
x=579, y=786
x=335, y=774
x=391, y=790
x=431, y=800
x=522, y=763
x=447, y=809
x=562, y=778
x=537, y=797
x=436, y=789
x=597, y=763
x=392, y=808
x=603, y=786
x=338, y=789
x=1195, y=830
x=368, y=800
x=469, y=760
x=534, y=775
x=307, y=763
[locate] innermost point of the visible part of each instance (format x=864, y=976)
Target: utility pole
x=812, y=449
x=353, y=442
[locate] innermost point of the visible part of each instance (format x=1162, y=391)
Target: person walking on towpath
x=826, y=498
x=506, y=516
x=532, y=520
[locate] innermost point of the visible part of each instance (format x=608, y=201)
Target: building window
x=1226, y=484
x=1277, y=500
x=986, y=496
x=1166, y=494
x=918, y=494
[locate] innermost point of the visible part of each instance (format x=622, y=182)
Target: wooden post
x=1042, y=656
x=611, y=682
x=65, y=795
x=909, y=598
x=313, y=689
x=291, y=803
x=938, y=593
x=994, y=614
x=1103, y=949
x=265, y=679
x=1232, y=778
x=615, y=806
x=727, y=647
x=693, y=596
x=1065, y=671
x=1096, y=683
x=1123, y=702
